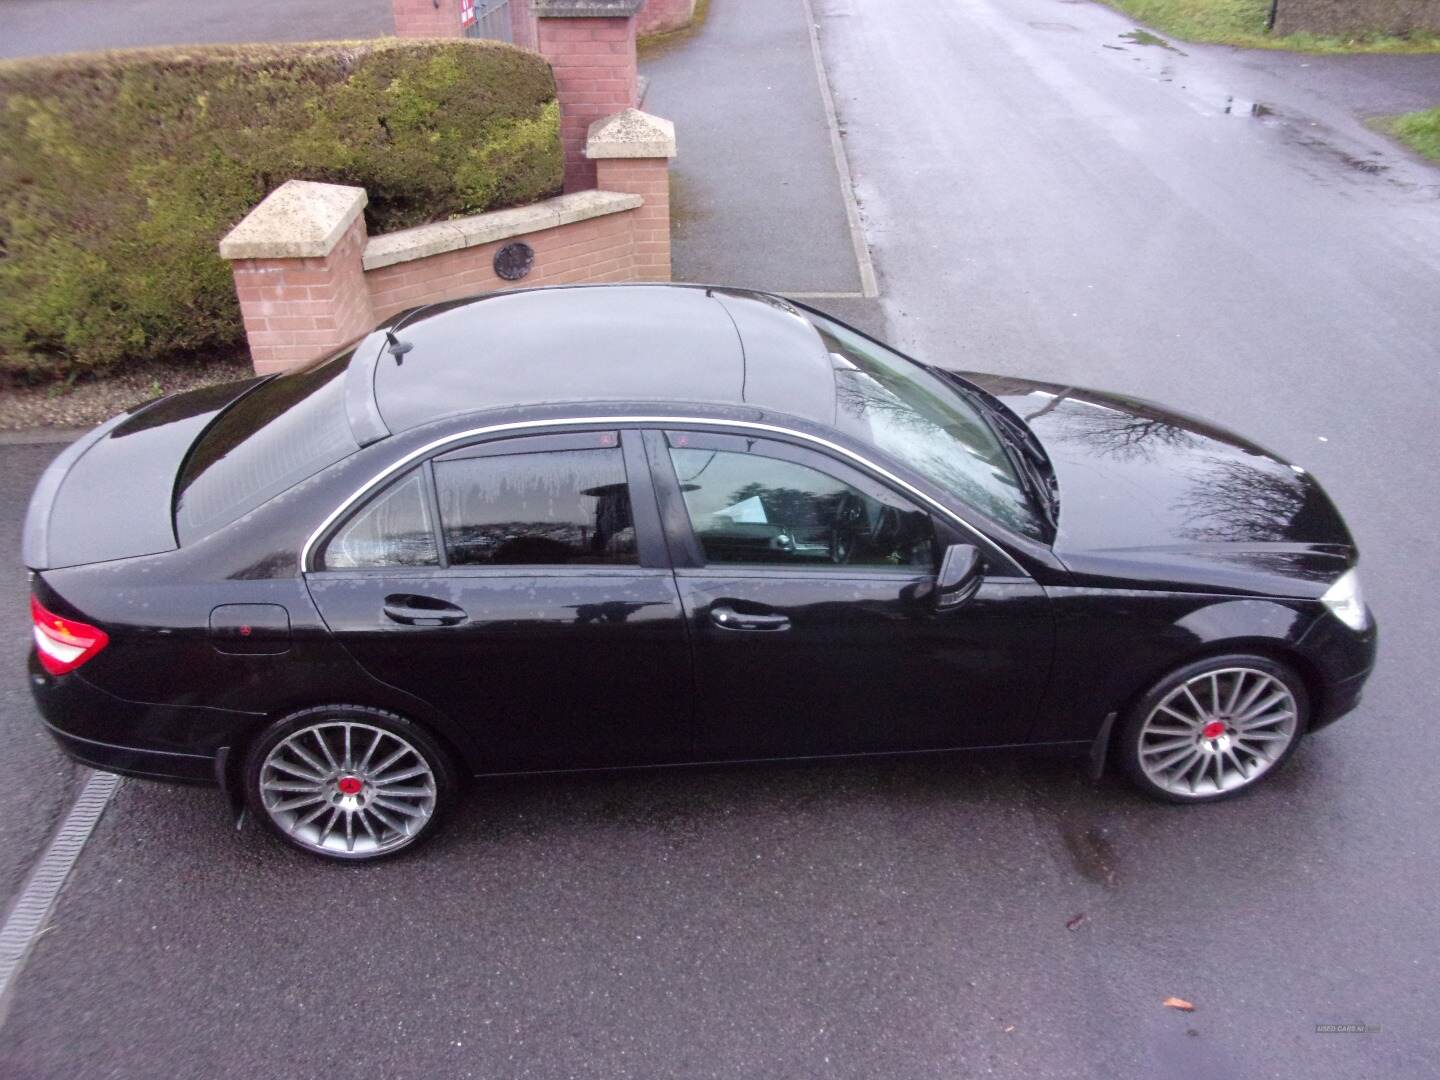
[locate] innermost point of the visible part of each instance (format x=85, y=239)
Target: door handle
x=422, y=611
x=727, y=618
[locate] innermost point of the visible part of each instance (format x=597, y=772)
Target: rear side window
x=393, y=530
x=564, y=507
x=272, y=438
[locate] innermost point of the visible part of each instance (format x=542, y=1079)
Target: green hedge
x=121, y=171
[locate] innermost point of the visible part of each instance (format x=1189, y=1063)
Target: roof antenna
x=397, y=348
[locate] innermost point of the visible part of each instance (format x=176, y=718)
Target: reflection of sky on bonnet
x=1145, y=471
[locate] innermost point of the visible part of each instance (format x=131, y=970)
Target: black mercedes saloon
x=639, y=525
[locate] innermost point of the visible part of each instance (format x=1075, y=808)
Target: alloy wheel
x=1218, y=731
x=348, y=790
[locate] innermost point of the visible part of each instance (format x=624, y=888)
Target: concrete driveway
x=1039, y=203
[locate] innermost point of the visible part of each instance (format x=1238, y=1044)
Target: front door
x=520, y=586
x=806, y=588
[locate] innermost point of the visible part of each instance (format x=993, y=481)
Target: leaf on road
x=1077, y=922
x=1178, y=1003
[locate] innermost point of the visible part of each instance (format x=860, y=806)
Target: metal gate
x=486, y=19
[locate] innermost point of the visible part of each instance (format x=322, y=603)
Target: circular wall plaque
x=513, y=261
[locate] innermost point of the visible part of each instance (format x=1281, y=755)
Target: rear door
x=522, y=587
x=805, y=585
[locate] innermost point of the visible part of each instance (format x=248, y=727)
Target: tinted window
x=393, y=530
x=272, y=438
x=557, y=508
x=751, y=509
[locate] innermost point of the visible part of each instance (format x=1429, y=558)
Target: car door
x=521, y=586
x=808, y=588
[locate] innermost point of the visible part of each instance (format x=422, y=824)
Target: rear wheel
x=1213, y=728
x=346, y=782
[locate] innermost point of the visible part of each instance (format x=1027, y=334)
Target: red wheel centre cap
x=1212, y=730
x=351, y=785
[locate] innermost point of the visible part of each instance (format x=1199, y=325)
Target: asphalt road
x=1201, y=230
x=35, y=27
x=1036, y=203
x=37, y=782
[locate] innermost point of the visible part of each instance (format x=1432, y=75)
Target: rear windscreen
x=277, y=435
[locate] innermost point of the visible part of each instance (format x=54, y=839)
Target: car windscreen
x=895, y=404
x=280, y=433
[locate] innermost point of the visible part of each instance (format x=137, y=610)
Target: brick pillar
x=591, y=48
x=523, y=31
x=298, y=274
x=426, y=18
x=663, y=16
x=631, y=152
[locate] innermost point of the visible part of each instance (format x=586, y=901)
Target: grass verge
x=1418, y=130
x=1242, y=22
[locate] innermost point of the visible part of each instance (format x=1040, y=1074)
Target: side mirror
x=960, y=576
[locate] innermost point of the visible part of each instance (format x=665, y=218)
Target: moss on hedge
x=121, y=172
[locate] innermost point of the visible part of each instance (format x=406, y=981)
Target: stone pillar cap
x=631, y=134
x=584, y=9
x=298, y=220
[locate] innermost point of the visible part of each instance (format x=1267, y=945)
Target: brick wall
x=600, y=249
x=594, y=64
x=297, y=309
x=1357, y=16
x=659, y=16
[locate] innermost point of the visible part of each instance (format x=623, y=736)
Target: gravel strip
x=89, y=401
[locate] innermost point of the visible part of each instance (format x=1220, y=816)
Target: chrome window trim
x=308, y=549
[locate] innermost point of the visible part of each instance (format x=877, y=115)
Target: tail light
x=64, y=644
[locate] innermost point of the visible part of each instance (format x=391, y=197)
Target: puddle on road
x=1240, y=107
x=1144, y=37
x=1091, y=853
x=1297, y=129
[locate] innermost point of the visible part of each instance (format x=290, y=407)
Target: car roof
x=582, y=344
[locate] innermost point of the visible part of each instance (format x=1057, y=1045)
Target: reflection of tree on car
x=547, y=543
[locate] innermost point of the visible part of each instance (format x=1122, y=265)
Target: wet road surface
x=1069, y=211
x=1192, y=229
x=36, y=27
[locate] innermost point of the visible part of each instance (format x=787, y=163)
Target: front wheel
x=346, y=782
x=1213, y=728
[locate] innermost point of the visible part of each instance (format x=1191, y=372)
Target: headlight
x=1345, y=600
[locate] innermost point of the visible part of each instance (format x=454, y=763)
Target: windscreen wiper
x=1041, y=488
x=995, y=408
x=1027, y=456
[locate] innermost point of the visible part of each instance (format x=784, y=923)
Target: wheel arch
x=230, y=761
x=1269, y=648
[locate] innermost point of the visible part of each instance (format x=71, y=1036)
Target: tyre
x=347, y=782
x=1214, y=728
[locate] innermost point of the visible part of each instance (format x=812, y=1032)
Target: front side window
x=393, y=530
x=895, y=404
x=745, y=508
x=561, y=507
